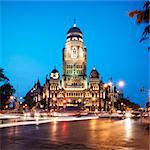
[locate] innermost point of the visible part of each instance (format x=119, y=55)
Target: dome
x=94, y=73
x=54, y=70
x=54, y=74
x=74, y=32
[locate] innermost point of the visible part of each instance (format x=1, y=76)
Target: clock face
x=74, y=52
x=54, y=75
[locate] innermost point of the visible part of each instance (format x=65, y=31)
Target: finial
x=110, y=79
x=38, y=81
x=74, y=25
x=94, y=67
x=46, y=78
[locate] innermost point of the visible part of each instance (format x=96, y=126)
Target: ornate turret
x=54, y=74
x=94, y=74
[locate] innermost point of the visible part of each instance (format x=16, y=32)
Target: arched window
x=92, y=94
x=55, y=94
x=74, y=52
x=96, y=94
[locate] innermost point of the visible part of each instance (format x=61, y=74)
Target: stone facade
x=75, y=88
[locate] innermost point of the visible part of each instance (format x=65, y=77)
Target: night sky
x=34, y=34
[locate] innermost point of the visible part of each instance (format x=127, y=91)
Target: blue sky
x=34, y=33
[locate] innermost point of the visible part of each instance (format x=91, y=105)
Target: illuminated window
x=69, y=66
x=75, y=38
x=74, y=52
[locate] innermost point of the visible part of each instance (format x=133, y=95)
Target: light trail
x=52, y=119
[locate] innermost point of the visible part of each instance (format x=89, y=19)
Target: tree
x=6, y=91
x=142, y=16
x=2, y=76
x=127, y=103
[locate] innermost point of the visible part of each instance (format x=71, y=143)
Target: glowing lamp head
x=121, y=83
x=69, y=100
x=79, y=100
x=11, y=97
x=105, y=85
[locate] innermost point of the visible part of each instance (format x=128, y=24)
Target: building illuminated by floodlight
x=75, y=88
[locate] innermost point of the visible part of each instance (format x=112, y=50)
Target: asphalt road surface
x=98, y=134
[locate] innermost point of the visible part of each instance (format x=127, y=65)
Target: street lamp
x=49, y=88
x=105, y=85
x=6, y=106
x=112, y=94
x=12, y=97
x=99, y=87
x=121, y=83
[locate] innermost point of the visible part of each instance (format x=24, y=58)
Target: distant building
x=75, y=88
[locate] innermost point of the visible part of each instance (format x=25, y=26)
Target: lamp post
x=84, y=99
x=121, y=84
x=105, y=94
x=111, y=94
x=147, y=92
x=49, y=97
x=99, y=96
x=91, y=91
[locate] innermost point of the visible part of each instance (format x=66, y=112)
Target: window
x=55, y=94
x=92, y=94
x=75, y=38
x=74, y=52
x=69, y=66
x=79, y=66
x=96, y=94
x=69, y=71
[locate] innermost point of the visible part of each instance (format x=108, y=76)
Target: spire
x=94, y=67
x=46, y=77
x=74, y=25
x=38, y=82
x=110, y=79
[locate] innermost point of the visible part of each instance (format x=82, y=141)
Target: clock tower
x=74, y=61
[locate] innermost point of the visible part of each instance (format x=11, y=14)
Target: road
x=98, y=134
